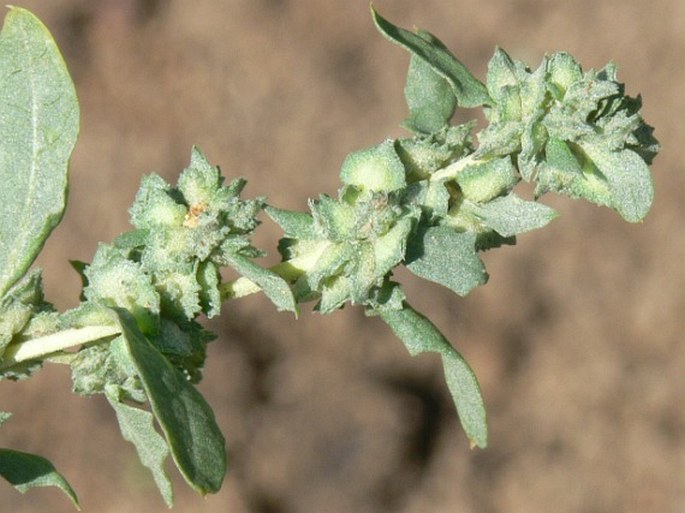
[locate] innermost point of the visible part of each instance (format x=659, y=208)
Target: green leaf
x=420, y=336
x=298, y=225
x=429, y=96
x=511, y=215
x=468, y=90
x=38, y=129
x=188, y=423
x=275, y=287
x=629, y=179
x=24, y=471
x=441, y=255
x=136, y=426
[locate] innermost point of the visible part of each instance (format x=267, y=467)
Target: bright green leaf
x=24, y=471
x=39, y=119
x=420, y=336
x=188, y=423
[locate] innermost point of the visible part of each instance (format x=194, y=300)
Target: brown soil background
x=577, y=338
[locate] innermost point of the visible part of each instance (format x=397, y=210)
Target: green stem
x=37, y=348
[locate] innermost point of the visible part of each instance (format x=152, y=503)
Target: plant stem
x=40, y=347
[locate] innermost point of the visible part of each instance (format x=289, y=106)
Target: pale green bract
x=431, y=202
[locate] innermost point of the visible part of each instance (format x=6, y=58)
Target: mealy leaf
x=298, y=225
x=629, y=180
x=274, y=287
x=188, y=423
x=468, y=90
x=510, y=215
x=137, y=427
x=24, y=471
x=419, y=336
x=444, y=256
x=429, y=96
x=39, y=119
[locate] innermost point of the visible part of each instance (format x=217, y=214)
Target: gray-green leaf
x=420, y=336
x=24, y=471
x=137, y=427
x=274, y=287
x=467, y=89
x=39, y=119
x=629, y=179
x=188, y=423
x=510, y=215
x=429, y=97
x=444, y=256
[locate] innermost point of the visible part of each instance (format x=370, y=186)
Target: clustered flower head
x=571, y=132
x=166, y=271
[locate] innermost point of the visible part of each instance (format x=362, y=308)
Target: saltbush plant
x=431, y=202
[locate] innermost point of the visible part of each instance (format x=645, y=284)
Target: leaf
x=629, y=180
x=511, y=215
x=275, y=287
x=298, y=225
x=441, y=255
x=24, y=471
x=188, y=423
x=38, y=129
x=429, y=96
x=468, y=90
x=136, y=426
x=420, y=336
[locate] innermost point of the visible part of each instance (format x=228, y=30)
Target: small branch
x=43, y=346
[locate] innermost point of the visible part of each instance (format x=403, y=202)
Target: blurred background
x=576, y=339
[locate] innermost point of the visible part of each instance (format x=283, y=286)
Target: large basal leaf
x=420, y=336
x=38, y=128
x=467, y=89
x=188, y=423
x=25, y=471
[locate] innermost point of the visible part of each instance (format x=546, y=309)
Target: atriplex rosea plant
x=430, y=202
